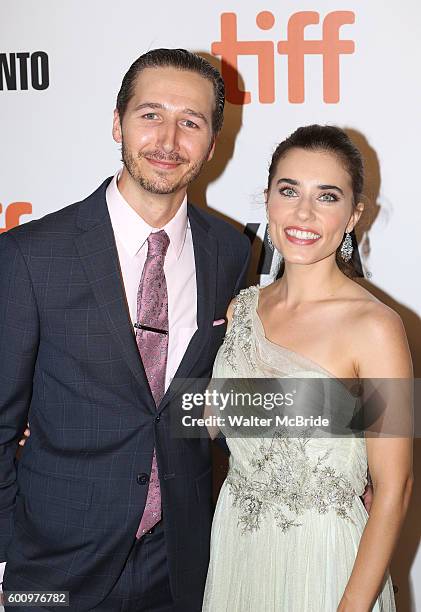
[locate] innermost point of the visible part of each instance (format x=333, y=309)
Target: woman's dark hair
x=182, y=60
x=330, y=139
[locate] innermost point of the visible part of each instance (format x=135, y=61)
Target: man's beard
x=160, y=184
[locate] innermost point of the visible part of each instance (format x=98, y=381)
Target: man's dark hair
x=182, y=60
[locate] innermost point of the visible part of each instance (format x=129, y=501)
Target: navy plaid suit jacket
x=70, y=507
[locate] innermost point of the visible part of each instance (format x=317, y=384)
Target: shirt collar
x=132, y=231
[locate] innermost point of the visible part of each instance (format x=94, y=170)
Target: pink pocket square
x=218, y=322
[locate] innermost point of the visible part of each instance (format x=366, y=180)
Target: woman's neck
x=302, y=284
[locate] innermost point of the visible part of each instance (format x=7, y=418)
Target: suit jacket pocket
x=216, y=337
x=54, y=489
x=51, y=517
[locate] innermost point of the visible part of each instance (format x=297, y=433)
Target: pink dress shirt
x=131, y=233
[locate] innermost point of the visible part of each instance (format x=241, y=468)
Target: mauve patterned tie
x=152, y=310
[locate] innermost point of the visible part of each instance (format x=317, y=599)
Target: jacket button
x=157, y=418
x=142, y=478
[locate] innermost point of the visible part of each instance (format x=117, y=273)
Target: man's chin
x=160, y=187
x=161, y=182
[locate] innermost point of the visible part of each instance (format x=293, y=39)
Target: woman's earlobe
x=356, y=215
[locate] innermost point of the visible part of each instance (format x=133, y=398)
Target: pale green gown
x=289, y=517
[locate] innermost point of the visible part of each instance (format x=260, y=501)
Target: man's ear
x=355, y=217
x=212, y=149
x=117, y=127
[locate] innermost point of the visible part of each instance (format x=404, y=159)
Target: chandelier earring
x=347, y=247
x=269, y=239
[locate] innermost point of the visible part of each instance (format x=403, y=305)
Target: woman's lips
x=301, y=236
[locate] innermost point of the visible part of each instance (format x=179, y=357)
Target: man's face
x=166, y=131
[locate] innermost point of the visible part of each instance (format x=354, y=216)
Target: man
x=101, y=304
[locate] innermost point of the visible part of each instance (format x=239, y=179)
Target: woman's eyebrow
x=331, y=187
x=295, y=182
x=287, y=180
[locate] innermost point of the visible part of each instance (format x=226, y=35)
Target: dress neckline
x=281, y=347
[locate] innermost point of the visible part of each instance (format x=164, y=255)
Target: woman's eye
x=328, y=197
x=288, y=192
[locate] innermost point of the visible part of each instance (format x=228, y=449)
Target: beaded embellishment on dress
x=240, y=333
x=285, y=481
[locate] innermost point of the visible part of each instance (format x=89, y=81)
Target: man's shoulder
x=60, y=223
x=224, y=231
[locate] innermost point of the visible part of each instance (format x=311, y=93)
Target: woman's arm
x=384, y=355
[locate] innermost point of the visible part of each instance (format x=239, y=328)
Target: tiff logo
x=13, y=213
x=296, y=47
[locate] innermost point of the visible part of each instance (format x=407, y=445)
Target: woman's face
x=309, y=205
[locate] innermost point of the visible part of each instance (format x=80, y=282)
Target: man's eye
x=190, y=124
x=150, y=116
x=288, y=192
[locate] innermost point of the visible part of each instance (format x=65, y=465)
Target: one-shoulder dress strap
x=244, y=304
x=240, y=330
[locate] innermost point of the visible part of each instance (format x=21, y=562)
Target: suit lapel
x=206, y=256
x=99, y=257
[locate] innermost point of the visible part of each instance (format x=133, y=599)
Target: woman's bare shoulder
x=370, y=311
x=379, y=337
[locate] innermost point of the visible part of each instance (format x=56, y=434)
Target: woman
x=298, y=547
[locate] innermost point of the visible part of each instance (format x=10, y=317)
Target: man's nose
x=168, y=137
